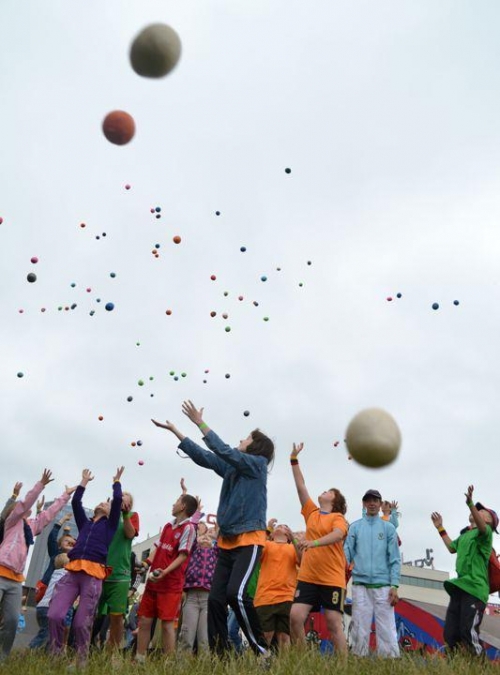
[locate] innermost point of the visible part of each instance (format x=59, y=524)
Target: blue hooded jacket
x=243, y=496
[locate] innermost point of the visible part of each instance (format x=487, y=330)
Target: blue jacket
x=243, y=496
x=372, y=544
x=94, y=537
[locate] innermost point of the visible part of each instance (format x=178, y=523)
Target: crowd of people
x=207, y=581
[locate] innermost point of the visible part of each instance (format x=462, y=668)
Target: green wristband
x=316, y=542
x=470, y=504
x=203, y=426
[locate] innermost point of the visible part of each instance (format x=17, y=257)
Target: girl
x=241, y=517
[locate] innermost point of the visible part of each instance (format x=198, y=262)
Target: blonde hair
x=60, y=561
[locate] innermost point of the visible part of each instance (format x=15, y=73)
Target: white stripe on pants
x=366, y=604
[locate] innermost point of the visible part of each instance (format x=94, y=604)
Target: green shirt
x=120, y=551
x=473, y=552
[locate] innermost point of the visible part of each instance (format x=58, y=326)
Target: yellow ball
x=373, y=438
x=155, y=51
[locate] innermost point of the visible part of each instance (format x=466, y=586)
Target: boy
x=163, y=593
x=470, y=590
x=372, y=545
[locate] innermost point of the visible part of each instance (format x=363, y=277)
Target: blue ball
x=243, y=249
x=109, y=306
x=399, y=295
x=112, y=275
x=435, y=305
x=263, y=278
x=456, y=302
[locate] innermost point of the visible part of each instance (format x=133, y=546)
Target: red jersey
x=174, y=539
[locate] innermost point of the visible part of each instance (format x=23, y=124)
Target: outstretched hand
x=118, y=474
x=164, y=425
x=297, y=448
x=437, y=519
x=46, y=477
x=192, y=413
x=183, y=486
x=40, y=503
x=87, y=476
x=469, y=495
x=17, y=490
x=70, y=490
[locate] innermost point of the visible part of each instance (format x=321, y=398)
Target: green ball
x=140, y=383
x=227, y=329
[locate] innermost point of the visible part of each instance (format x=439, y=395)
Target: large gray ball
x=155, y=51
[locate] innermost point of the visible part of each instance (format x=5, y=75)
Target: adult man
x=372, y=545
x=115, y=590
x=469, y=591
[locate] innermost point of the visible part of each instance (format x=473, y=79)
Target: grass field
x=293, y=663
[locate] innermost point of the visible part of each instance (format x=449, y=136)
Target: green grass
x=292, y=663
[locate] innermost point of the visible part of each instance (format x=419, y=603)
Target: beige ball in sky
x=155, y=51
x=373, y=438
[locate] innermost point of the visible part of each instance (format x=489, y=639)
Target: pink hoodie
x=13, y=549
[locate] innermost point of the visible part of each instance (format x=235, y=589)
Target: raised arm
x=11, y=501
x=478, y=519
x=76, y=502
x=28, y=502
x=116, y=503
x=438, y=524
x=300, y=483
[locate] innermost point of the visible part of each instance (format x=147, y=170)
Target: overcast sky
x=387, y=114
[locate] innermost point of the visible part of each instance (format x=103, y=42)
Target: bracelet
x=127, y=515
x=443, y=532
x=470, y=503
x=203, y=425
x=315, y=542
x=294, y=461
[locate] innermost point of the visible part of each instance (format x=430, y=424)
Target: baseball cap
x=377, y=495
x=494, y=516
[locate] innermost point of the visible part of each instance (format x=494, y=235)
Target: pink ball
x=34, y=260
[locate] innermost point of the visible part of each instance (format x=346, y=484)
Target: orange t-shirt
x=278, y=574
x=324, y=565
x=255, y=538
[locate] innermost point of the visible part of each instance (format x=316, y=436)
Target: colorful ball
x=118, y=127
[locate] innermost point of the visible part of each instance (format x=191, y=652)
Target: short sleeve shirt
x=120, y=551
x=324, y=565
x=473, y=552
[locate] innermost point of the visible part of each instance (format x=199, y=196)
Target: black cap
x=372, y=493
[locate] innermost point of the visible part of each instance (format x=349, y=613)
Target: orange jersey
x=325, y=565
x=258, y=537
x=278, y=574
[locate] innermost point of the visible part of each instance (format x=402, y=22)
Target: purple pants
x=72, y=585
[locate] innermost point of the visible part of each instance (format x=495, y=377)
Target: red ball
x=34, y=260
x=168, y=312
x=213, y=277
x=118, y=127
x=389, y=299
x=100, y=418
x=177, y=239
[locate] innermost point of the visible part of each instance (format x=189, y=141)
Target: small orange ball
x=177, y=239
x=133, y=444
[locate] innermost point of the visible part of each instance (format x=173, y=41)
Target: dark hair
x=190, y=504
x=339, y=504
x=261, y=445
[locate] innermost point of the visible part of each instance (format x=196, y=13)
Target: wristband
x=295, y=541
x=127, y=515
x=14, y=496
x=203, y=425
x=315, y=542
x=443, y=532
x=470, y=503
x=294, y=461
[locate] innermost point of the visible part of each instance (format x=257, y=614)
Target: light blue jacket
x=243, y=496
x=372, y=544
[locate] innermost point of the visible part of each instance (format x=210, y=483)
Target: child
x=19, y=530
x=241, y=517
x=322, y=574
x=469, y=591
x=42, y=608
x=276, y=585
x=163, y=593
x=86, y=569
x=115, y=590
x=199, y=574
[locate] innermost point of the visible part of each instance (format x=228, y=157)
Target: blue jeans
x=233, y=630
x=41, y=639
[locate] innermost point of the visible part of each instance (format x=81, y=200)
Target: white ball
x=373, y=438
x=155, y=51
